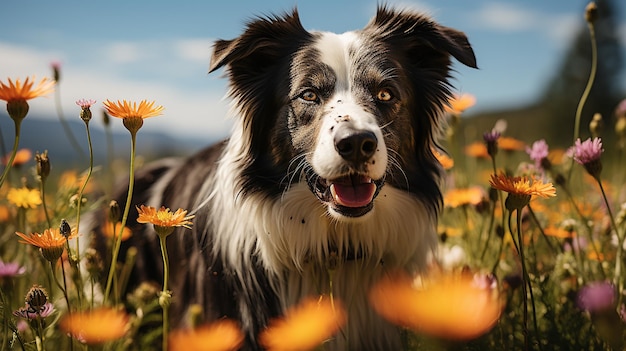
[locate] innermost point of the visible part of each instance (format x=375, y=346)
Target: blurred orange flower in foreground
x=222, y=335
x=450, y=307
x=304, y=326
x=96, y=326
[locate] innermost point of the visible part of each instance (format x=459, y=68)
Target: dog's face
x=346, y=113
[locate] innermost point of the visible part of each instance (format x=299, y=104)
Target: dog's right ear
x=264, y=41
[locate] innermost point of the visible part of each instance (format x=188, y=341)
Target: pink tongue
x=353, y=195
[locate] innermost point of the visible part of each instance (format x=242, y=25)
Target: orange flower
x=459, y=103
x=559, y=232
x=17, y=95
x=304, y=326
x=18, y=91
x=522, y=185
x=465, y=196
x=24, y=197
x=49, y=238
x=112, y=231
x=96, y=326
x=445, y=161
x=164, y=217
x=124, y=109
x=51, y=242
x=131, y=113
x=222, y=335
x=449, y=307
x=477, y=149
x=511, y=144
x=21, y=156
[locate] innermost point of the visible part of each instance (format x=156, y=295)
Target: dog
x=329, y=174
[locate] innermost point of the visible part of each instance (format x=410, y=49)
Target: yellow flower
x=164, y=217
x=24, y=197
x=222, y=335
x=304, y=326
x=96, y=326
x=463, y=196
x=449, y=307
x=522, y=185
x=131, y=113
x=459, y=103
x=16, y=95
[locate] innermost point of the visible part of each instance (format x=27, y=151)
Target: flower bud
x=591, y=12
x=115, y=212
x=43, y=165
x=595, y=126
x=17, y=109
x=36, y=298
x=65, y=229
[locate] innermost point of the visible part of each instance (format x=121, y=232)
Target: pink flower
x=84, y=103
x=596, y=297
x=28, y=312
x=10, y=269
x=538, y=152
x=586, y=151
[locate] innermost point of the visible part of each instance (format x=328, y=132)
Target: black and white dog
x=329, y=167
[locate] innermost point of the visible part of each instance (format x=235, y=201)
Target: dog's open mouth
x=351, y=195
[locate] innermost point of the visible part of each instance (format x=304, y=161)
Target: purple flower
x=28, y=312
x=538, y=152
x=620, y=110
x=587, y=151
x=10, y=269
x=84, y=103
x=491, y=136
x=596, y=297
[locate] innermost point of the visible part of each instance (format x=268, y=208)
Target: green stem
x=43, y=202
x=618, y=280
x=166, y=275
x=7, y=168
x=520, y=251
x=82, y=189
x=583, y=98
x=129, y=196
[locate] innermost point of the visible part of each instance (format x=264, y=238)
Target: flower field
x=530, y=257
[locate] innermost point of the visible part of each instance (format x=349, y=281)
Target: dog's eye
x=384, y=94
x=309, y=95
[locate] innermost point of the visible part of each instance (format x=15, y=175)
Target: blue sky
x=159, y=50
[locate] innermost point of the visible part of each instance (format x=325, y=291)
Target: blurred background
x=534, y=60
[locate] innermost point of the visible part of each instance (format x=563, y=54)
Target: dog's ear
x=264, y=41
x=416, y=32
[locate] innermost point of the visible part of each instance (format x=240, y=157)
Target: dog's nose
x=356, y=145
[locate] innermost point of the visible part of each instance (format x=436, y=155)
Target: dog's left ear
x=416, y=32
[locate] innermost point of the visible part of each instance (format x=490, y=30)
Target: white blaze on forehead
x=334, y=52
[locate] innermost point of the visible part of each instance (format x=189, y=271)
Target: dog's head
x=347, y=113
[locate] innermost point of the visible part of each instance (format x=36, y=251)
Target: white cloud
x=124, y=52
x=506, y=17
x=560, y=28
x=198, y=50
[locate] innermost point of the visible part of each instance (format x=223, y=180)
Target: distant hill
x=39, y=134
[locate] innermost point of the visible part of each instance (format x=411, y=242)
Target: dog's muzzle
x=351, y=195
